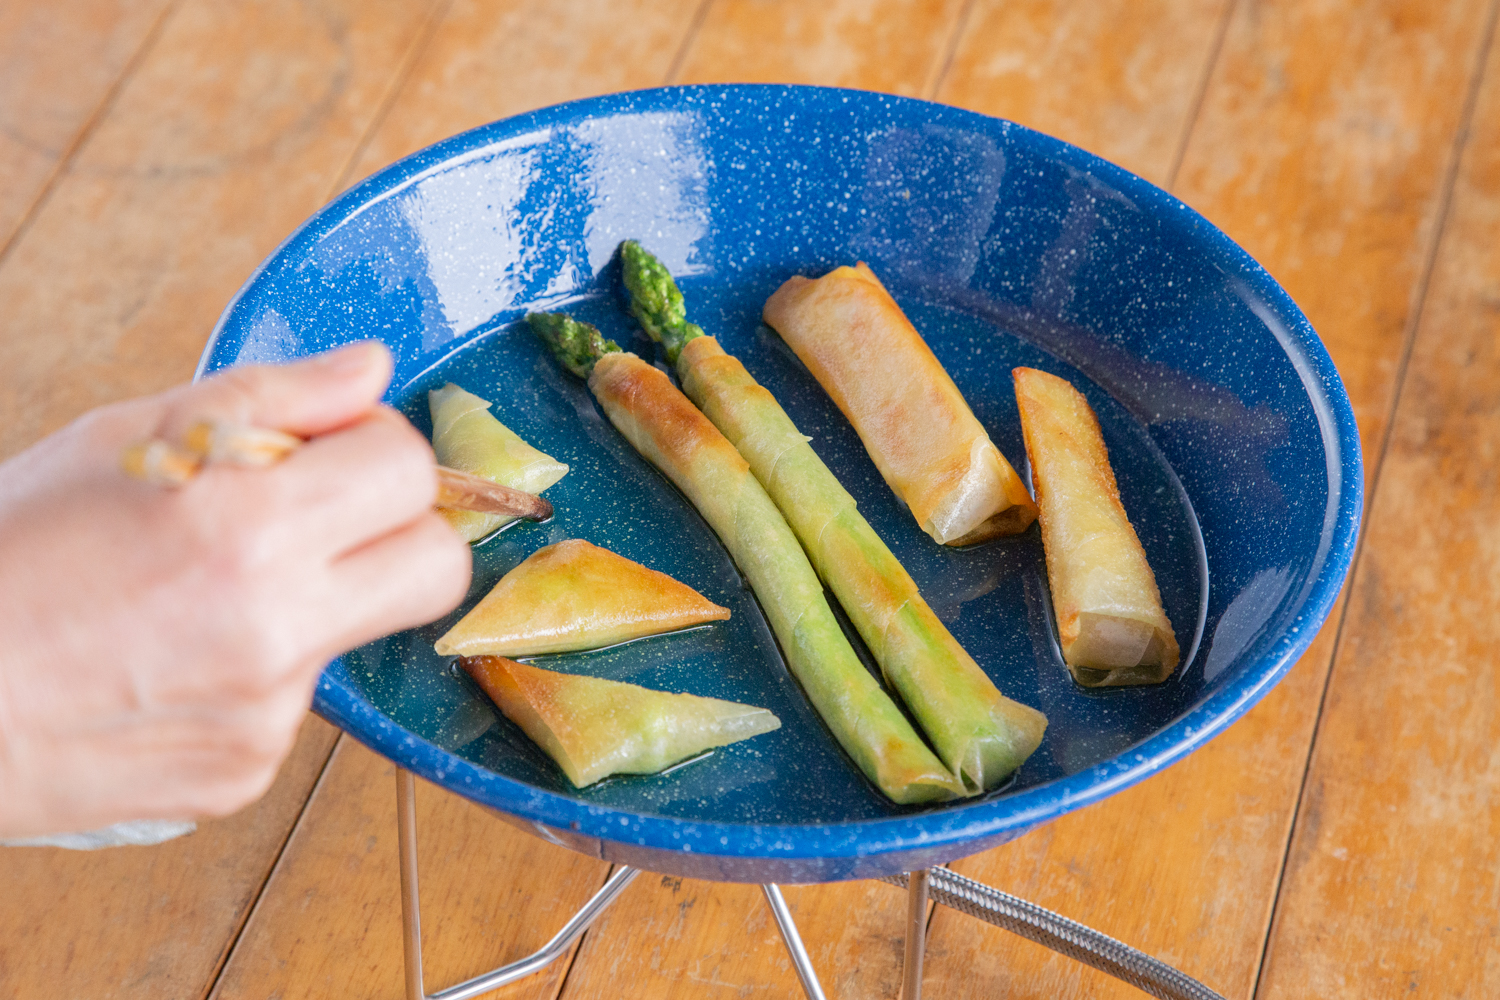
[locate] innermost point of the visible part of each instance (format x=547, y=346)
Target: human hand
x=159, y=647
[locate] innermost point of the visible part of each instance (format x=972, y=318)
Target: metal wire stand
x=1068, y=937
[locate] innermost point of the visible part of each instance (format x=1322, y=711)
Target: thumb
x=305, y=398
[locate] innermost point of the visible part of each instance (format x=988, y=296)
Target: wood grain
x=1120, y=78
x=1323, y=141
x=229, y=134
x=58, y=65
x=676, y=938
x=329, y=921
x=1185, y=865
x=488, y=61
x=142, y=923
x=1392, y=885
x=897, y=46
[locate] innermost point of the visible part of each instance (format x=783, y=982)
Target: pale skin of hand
x=159, y=647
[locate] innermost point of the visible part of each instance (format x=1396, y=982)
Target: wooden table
x=1342, y=840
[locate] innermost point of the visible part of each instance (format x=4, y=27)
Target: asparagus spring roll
x=912, y=419
x=979, y=733
x=673, y=435
x=571, y=596
x=594, y=727
x=1110, y=621
x=467, y=437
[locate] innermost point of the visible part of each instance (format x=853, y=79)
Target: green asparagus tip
x=655, y=300
x=577, y=346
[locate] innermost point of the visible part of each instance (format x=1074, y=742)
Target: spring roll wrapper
x=678, y=439
x=594, y=727
x=467, y=437
x=575, y=595
x=1110, y=622
x=913, y=421
x=981, y=735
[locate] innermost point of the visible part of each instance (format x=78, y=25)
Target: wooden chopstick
x=165, y=464
x=462, y=491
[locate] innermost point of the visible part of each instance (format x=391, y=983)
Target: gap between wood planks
x=1202, y=94
x=250, y=911
x=1409, y=336
x=688, y=38
x=955, y=38
x=398, y=81
x=102, y=109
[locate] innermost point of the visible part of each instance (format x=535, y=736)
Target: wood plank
x=673, y=938
x=1120, y=78
x=228, y=136
x=492, y=60
x=329, y=921
x=1394, y=873
x=897, y=46
x=1323, y=151
x=140, y=923
x=58, y=64
x=1324, y=137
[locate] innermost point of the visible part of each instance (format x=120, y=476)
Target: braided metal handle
x=1067, y=937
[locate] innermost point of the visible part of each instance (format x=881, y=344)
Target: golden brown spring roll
x=912, y=419
x=979, y=733
x=571, y=596
x=1110, y=621
x=594, y=727
x=673, y=435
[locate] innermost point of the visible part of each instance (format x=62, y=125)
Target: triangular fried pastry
x=594, y=727
x=571, y=596
x=467, y=437
x=1110, y=621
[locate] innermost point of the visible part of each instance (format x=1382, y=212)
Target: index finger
x=308, y=397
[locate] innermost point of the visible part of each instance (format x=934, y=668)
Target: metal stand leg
x=1064, y=936
x=411, y=920
x=411, y=911
x=916, y=934
x=1067, y=937
x=800, y=961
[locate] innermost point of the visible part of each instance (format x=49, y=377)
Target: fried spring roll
x=979, y=733
x=467, y=437
x=1110, y=621
x=912, y=419
x=674, y=436
x=574, y=595
x=594, y=727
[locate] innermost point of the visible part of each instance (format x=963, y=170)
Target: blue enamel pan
x=1230, y=432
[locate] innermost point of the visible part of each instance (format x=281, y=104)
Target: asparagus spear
x=670, y=432
x=979, y=733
